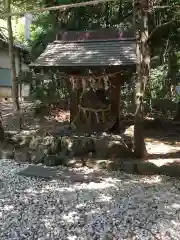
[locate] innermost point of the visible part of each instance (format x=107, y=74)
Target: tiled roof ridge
x=18, y=45
x=93, y=40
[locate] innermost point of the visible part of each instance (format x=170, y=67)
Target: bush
x=49, y=92
x=158, y=88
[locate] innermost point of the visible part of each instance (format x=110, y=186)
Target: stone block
x=147, y=168
x=172, y=170
x=55, y=160
x=107, y=147
x=129, y=166
x=76, y=146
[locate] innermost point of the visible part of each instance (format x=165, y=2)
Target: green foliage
x=42, y=32
x=48, y=92
x=47, y=24
x=158, y=78
x=19, y=32
x=118, y=13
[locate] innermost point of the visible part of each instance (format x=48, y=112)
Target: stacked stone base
x=111, y=152
x=57, y=150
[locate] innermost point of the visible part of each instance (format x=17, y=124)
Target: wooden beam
x=60, y=7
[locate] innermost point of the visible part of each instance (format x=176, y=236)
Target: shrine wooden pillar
x=74, y=100
x=73, y=104
x=115, y=98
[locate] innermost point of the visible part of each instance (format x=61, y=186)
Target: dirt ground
x=29, y=119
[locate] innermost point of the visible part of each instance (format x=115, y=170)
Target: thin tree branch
x=129, y=14
x=60, y=7
x=154, y=8
x=159, y=27
x=166, y=48
x=3, y=28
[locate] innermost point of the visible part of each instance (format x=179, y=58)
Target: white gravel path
x=120, y=206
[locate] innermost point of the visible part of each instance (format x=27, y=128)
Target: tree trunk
x=14, y=80
x=20, y=71
x=177, y=115
x=143, y=66
x=172, y=72
x=107, y=9
x=2, y=136
x=172, y=79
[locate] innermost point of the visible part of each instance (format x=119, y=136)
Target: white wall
x=4, y=59
x=5, y=92
x=5, y=62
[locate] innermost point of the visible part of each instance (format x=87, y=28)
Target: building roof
x=4, y=39
x=89, y=53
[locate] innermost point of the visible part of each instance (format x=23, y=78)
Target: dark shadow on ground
x=65, y=175
x=170, y=155
x=165, y=131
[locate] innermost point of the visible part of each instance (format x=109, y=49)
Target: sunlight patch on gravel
x=119, y=206
x=158, y=147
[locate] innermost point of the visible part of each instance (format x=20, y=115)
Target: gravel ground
x=112, y=206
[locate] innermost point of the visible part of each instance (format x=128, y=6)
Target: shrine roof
x=87, y=50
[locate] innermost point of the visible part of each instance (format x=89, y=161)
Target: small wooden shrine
x=94, y=65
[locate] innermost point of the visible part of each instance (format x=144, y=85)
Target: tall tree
x=143, y=56
x=2, y=136
x=14, y=80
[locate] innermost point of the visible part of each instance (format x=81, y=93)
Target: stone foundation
x=101, y=146
x=111, y=152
